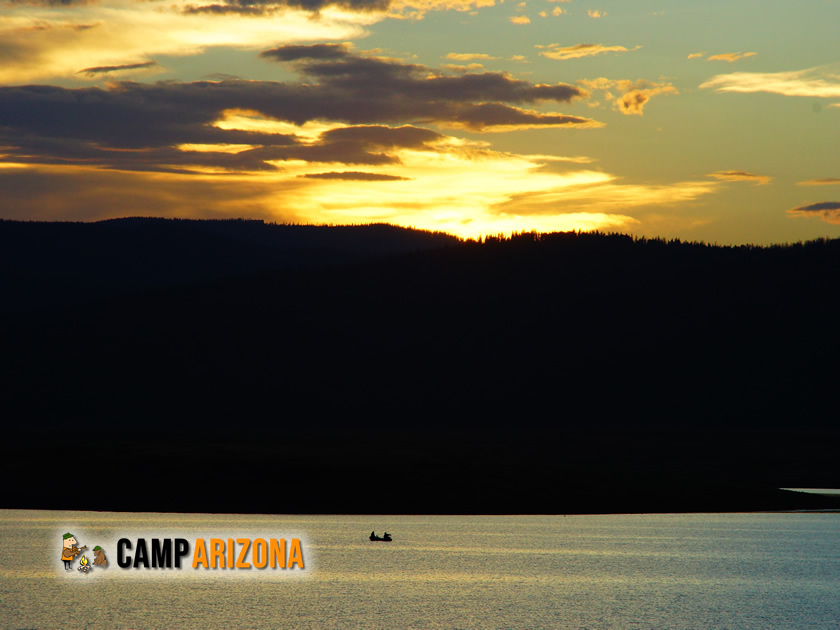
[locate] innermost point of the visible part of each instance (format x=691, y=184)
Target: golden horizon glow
x=469, y=116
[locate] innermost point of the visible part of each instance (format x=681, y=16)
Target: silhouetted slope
x=554, y=373
x=46, y=264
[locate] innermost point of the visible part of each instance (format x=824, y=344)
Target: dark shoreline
x=488, y=514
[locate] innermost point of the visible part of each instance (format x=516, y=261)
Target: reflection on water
x=641, y=571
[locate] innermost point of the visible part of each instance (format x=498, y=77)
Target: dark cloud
x=136, y=125
x=369, y=145
x=221, y=76
x=106, y=69
x=487, y=116
x=335, y=66
x=313, y=51
x=819, y=207
x=317, y=5
x=122, y=127
x=228, y=9
x=384, y=137
x=356, y=176
x=828, y=211
x=125, y=116
x=261, y=7
x=163, y=159
x=140, y=128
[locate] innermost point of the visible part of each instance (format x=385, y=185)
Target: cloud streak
x=109, y=69
x=741, y=176
x=355, y=176
x=563, y=53
x=604, y=195
x=825, y=181
x=820, y=82
x=729, y=57
x=469, y=56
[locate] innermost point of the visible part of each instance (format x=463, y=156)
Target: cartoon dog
x=99, y=556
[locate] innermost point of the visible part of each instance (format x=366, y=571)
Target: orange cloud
x=633, y=95
x=741, y=176
x=520, y=19
x=468, y=56
x=826, y=181
x=730, y=57
x=555, y=51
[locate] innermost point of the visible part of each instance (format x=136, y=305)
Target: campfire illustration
x=84, y=567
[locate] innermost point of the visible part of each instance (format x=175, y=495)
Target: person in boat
x=387, y=536
x=373, y=535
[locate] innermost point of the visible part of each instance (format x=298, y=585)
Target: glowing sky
x=713, y=120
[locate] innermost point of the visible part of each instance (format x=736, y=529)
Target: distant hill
x=550, y=373
x=53, y=263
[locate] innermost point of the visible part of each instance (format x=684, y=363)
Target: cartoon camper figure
x=70, y=550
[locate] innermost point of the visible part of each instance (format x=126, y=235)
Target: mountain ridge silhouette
x=553, y=373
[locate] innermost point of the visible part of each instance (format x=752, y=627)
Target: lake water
x=624, y=571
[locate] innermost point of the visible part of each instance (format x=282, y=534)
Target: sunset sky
x=713, y=120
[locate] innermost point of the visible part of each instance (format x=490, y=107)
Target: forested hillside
x=542, y=373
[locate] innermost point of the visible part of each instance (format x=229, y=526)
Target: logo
x=256, y=555
x=71, y=549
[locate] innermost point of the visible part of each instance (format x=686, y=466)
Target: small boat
x=385, y=538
